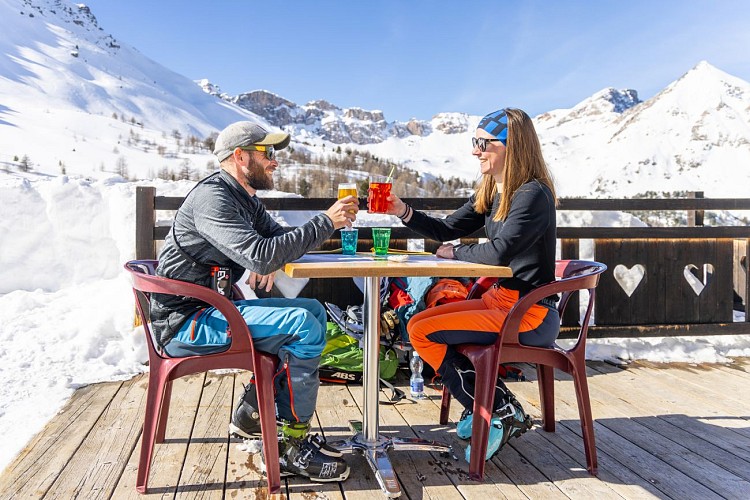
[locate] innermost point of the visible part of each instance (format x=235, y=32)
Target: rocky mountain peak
x=322, y=105
x=621, y=100
x=364, y=115
x=451, y=123
x=208, y=87
x=79, y=15
x=324, y=119
x=606, y=101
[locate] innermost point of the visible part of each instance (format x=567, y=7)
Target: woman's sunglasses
x=481, y=142
x=269, y=150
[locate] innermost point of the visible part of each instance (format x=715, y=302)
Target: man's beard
x=256, y=176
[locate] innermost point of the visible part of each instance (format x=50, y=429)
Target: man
x=222, y=229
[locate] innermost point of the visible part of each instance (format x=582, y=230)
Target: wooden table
x=366, y=438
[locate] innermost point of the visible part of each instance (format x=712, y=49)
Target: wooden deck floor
x=663, y=431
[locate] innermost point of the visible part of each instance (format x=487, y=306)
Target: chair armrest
x=241, y=338
x=480, y=286
x=509, y=331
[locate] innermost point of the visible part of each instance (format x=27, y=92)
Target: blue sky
x=418, y=58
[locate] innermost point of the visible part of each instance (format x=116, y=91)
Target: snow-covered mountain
x=75, y=100
x=693, y=135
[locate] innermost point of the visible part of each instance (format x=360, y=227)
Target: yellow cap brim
x=278, y=140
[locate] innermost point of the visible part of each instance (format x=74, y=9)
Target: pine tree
x=25, y=164
x=304, y=187
x=121, y=167
x=186, y=169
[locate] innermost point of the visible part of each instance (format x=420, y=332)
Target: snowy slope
x=73, y=96
x=694, y=135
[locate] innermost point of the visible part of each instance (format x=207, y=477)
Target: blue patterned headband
x=496, y=123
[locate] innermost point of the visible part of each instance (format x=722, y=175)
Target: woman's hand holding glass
x=395, y=205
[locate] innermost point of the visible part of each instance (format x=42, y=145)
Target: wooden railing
x=661, y=281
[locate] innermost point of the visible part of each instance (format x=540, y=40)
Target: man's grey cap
x=241, y=134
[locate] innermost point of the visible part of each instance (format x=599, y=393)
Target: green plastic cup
x=381, y=238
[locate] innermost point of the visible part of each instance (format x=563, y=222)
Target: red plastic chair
x=163, y=369
x=573, y=275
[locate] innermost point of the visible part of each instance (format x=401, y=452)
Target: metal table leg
x=366, y=439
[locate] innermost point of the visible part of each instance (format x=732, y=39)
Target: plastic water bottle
x=416, y=382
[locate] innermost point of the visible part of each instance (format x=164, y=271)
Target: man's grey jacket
x=220, y=224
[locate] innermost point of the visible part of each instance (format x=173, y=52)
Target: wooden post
x=747, y=280
x=569, y=250
x=695, y=217
x=145, y=220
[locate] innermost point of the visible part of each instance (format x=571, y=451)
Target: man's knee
x=311, y=331
x=317, y=335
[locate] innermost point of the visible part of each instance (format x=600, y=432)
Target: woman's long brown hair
x=523, y=163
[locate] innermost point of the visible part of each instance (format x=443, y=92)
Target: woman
x=515, y=203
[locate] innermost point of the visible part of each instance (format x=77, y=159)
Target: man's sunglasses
x=481, y=142
x=269, y=150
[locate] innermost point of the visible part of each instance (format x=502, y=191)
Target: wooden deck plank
x=406, y=465
x=731, y=414
x=534, y=481
x=204, y=469
x=740, y=366
x=569, y=476
x=426, y=470
x=96, y=467
x=657, y=461
x=617, y=457
x=620, y=478
x=711, y=420
x=694, y=437
x=169, y=456
x=661, y=431
x=301, y=488
x=650, y=468
x=42, y=460
x=662, y=441
x=336, y=407
x=707, y=381
x=496, y=483
x=244, y=469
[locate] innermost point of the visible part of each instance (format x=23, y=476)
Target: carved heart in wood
x=629, y=279
x=691, y=276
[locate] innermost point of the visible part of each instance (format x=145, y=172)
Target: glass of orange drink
x=377, y=195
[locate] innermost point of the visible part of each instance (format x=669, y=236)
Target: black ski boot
x=308, y=455
x=312, y=458
x=246, y=418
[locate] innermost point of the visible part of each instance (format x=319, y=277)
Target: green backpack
x=342, y=358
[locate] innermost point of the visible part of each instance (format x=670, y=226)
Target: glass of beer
x=377, y=194
x=347, y=189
